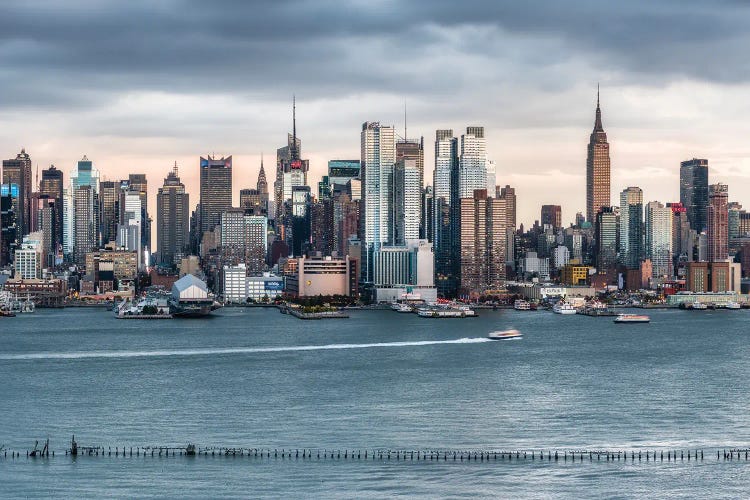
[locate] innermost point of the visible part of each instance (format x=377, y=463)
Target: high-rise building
x=551, y=216
x=631, y=227
x=52, y=185
x=130, y=222
x=109, y=199
x=446, y=209
x=405, y=271
x=694, y=192
x=682, y=243
x=378, y=150
x=508, y=194
x=84, y=224
x=607, y=236
x=408, y=183
x=291, y=171
x=659, y=238
x=718, y=228
x=8, y=222
x=215, y=190
x=407, y=201
x=427, y=222
x=597, y=168
x=345, y=221
x=262, y=186
x=252, y=199
x=412, y=149
x=483, y=244
x=18, y=171
x=68, y=223
x=172, y=213
x=43, y=223
x=322, y=229
x=472, y=169
x=342, y=171
x=139, y=184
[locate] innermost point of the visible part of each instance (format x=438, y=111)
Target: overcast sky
x=138, y=85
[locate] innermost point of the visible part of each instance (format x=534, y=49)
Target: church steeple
x=598, y=122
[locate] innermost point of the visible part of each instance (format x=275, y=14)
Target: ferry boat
x=521, y=305
x=401, y=307
x=698, y=306
x=632, y=318
x=563, y=307
x=732, y=305
x=505, y=335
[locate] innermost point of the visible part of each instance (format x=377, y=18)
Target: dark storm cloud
x=79, y=53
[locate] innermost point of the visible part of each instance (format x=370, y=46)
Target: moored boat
x=698, y=306
x=632, y=318
x=505, y=335
x=521, y=305
x=563, y=307
x=732, y=305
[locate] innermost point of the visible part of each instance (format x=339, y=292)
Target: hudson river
x=255, y=378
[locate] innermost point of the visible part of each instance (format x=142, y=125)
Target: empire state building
x=597, y=168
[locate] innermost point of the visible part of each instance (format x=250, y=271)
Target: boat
x=401, y=307
x=563, y=307
x=631, y=318
x=505, y=335
x=7, y=314
x=521, y=305
x=732, y=305
x=698, y=306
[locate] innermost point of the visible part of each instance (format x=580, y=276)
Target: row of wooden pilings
x=405, y=455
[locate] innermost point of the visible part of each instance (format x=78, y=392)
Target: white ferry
x=632, y=318
x=563, y=307
x=505, y=335
x=698, y=306
x=401, y=307
x=732, y=305
x=521, y=305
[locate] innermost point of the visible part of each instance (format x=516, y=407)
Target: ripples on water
x=256, y=378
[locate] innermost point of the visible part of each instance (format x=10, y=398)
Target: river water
x=255, y=378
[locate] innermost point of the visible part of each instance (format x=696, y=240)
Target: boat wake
x=232, y=350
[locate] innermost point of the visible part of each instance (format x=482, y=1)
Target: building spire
x=294, y=128
x=598, y=122
x=174, y=169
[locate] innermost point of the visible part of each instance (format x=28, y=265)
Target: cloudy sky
x=139, y=85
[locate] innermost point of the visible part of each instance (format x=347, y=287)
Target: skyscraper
x=172, y=214
x=659, y=238
x=52, y=185
x=109, y=197
x=378, y=154
x=472, y=169
x=718, y=228
x=291, y=171
x=84, y=224
x=552, y=216
x=631, y=227
x=597, y=168
x=262, y=186
x=446, y=212
x=508, y=194
x=407, y=201
x=215, y=190
x=18, y=171
x=694, y=192
x=607, y=224
x=682, y=247
x=139, y=184
x=483, y=243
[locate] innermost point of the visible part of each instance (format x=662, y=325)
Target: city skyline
x=132, y=113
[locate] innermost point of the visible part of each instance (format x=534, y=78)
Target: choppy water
x=256, y=378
